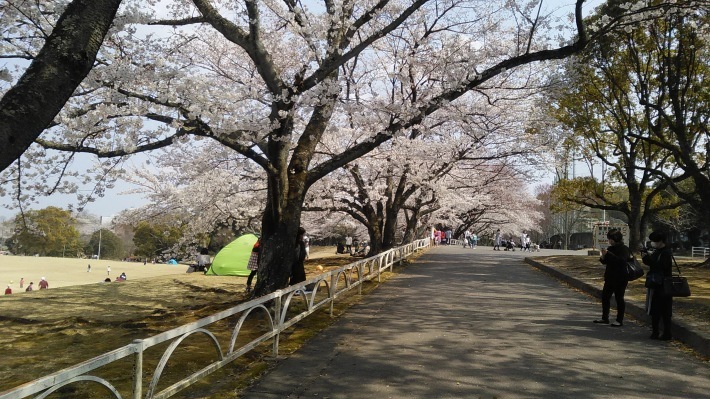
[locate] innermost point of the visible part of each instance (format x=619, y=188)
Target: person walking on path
x=661, y=306
x=496, y=246
x=298, y=271
x=615, y=281
x=253, y=263
x=43, y=284
x=22, y=282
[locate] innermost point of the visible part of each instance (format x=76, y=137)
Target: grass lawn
x=78, y=318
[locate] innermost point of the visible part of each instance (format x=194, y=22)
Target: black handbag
x=633, y=269
x=676, y=285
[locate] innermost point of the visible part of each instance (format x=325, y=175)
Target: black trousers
x=251, y=277
x=661, y=309
x=616, y=288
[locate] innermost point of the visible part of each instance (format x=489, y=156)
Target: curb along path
x=481, y=323
x=690, y=335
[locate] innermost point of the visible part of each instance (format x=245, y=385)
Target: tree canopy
x=300, y=92
x=46, y=232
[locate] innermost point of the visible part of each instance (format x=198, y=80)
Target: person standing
x=298, y=271
x=615, y=281
x=22, y=282
x=43, y=284
x=660, y=262
x=496, y=246
x=349, y=244
x=307, y=243
x=88, y=268
x=253, y=264
x=108, y=270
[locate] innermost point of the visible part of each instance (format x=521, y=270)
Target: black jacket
x=660, y=261
x=615, y=261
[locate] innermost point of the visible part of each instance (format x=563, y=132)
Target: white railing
x=274, y=307
x=700, y=251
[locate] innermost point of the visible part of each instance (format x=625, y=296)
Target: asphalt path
x=477, y=323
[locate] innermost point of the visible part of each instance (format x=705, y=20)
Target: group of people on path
x=470, y=239
x=43, y=285
x=525, y=244
x=441, y=237
x=659, y=304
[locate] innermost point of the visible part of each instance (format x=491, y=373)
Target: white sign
x=600, y=230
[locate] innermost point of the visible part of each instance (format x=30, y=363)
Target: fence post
x=138, y=369
x=277, y=323
x=360, y=277
x=331, y=291
x=379, y=266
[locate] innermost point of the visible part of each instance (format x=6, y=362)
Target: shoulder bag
x=676, y=285
x=633, y=269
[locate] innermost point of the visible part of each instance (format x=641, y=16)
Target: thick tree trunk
x=64, y=61
x=411, y=229
x=389, y=232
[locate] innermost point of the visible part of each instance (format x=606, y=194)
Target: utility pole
x=101, y=219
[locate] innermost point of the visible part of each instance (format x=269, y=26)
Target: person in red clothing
x=43, y=284
x=8, y=290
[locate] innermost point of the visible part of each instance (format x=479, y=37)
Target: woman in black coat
x=615, y=281
x=661, y=263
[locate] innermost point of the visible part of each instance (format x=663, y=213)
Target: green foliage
x=111, y=245
x=155, y=240
x=581, y=192
x=48, y=232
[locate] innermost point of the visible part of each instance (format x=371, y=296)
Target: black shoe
x=617, y=324
x=601, y=321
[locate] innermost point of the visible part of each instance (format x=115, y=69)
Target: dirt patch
x=48, y=330
x=694, y=309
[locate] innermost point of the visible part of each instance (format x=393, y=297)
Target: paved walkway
x=462, y=323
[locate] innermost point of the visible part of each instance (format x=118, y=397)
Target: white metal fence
x=275, y=307
x=700, y=251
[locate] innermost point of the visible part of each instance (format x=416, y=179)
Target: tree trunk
x=389, y=232
x=411, y=228
x=50, y=80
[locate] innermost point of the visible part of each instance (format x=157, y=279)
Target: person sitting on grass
x=363, y=250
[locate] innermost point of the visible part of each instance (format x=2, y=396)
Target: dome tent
x=232, y=260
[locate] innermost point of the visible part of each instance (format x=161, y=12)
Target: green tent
x=232, y=259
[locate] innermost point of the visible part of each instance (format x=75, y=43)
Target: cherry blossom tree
x=61, y=54
x=271, y=80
